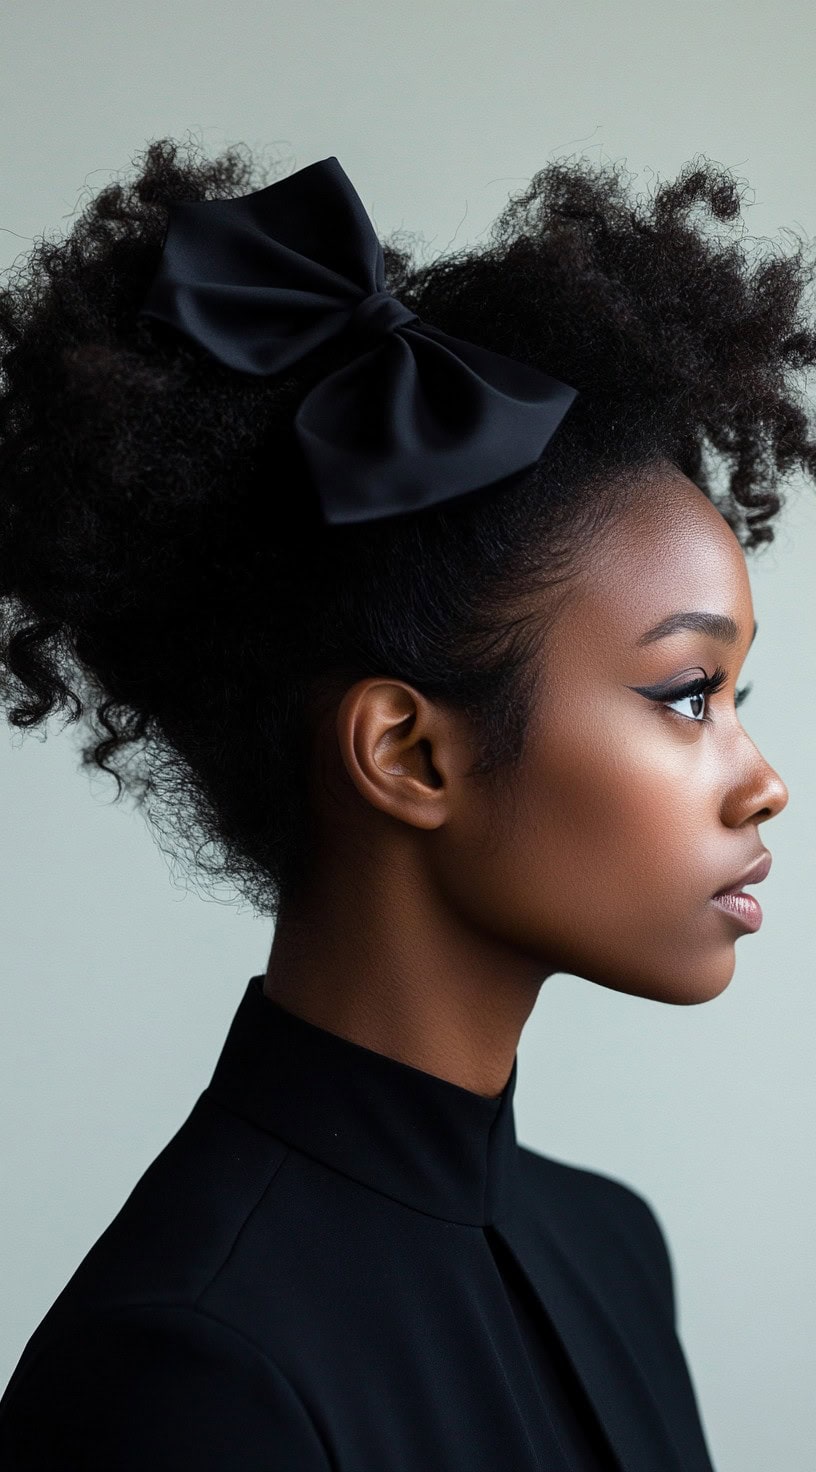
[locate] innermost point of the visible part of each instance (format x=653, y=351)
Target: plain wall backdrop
x=118, y=980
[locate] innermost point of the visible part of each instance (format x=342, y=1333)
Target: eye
x=694, y=691
x=696, y=699
x=697, y=693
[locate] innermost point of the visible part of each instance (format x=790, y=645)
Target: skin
x=441, y=903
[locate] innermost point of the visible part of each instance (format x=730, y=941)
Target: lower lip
x=741, y=907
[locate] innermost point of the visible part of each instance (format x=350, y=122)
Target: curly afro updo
x=164, y=573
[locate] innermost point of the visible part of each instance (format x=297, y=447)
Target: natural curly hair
x=164, y=573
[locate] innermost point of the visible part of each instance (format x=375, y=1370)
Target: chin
x=703, y=987
x=666, y=982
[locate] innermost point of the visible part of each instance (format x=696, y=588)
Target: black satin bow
x=417, y=416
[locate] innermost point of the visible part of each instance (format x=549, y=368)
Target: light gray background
x=118, y=983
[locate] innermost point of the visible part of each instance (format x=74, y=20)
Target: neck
x=392, y=972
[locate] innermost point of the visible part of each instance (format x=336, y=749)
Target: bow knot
x=418, y=416
x=377, y=315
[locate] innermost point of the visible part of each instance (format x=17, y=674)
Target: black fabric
x=416, y=416
x=342, y=1262
x=575, y=1425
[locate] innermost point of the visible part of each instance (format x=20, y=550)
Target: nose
x=771, y=796
x=780, y=797
x=755, y=791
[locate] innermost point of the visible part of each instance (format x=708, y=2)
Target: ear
x=402, y=751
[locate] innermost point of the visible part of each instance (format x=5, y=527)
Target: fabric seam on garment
x=216, y=1273
x=336, y=1170
x=553, y=1428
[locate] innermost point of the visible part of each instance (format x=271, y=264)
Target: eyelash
x=708, y=685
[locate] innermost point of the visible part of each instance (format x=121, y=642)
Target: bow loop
x=418, y=416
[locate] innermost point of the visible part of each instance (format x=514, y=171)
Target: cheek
x=606, y=869
x=594, y=861
x=605, y=829
x=609, y=800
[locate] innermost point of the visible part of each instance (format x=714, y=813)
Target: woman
x=420, y=594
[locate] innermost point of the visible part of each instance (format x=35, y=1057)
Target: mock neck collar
x=422, y=1140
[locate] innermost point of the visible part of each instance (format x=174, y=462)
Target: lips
x=757, y=871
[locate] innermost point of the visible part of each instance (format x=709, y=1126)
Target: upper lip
x=757, y=871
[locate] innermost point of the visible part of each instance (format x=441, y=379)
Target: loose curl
x=165, y=576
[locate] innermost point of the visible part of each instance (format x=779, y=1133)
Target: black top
x=341, y=1263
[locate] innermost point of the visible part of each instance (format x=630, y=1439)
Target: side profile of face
x=629, y=811
x=631, y=807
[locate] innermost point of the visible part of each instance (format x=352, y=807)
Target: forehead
x=668, y=550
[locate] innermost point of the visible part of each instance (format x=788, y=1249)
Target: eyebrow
x=718, y=625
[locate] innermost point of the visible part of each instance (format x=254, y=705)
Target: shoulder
x=181, y=1219
x=175, y=1231
x=602, y=1218
x=131, y=1366
x=155, y=1384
